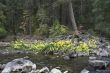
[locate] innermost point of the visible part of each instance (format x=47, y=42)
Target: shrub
x=58, y=29
x=42, y=30
x=3, y=32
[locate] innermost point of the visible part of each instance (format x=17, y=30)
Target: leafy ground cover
x=73, y=44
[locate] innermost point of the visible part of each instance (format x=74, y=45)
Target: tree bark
x=71, y=14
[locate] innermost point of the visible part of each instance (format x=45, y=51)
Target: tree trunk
x=71, y=13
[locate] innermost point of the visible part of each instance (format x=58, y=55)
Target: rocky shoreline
x=24, y=65
x=97, y=63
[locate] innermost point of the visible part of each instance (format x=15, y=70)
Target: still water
x=73, y=65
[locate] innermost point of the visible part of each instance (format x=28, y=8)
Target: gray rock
x=66, y=58
x=2, y=66
x=22, y=64
x=104, y=52
x=101, y=71
x=99, y=63
x=54, y=70
x=65, y=72
x=80, y=54
x=44, y=70
x=97, y=71
x=72, y=55
x=85, y=71
x=92, y=58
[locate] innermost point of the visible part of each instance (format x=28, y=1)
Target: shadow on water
x=73, y=66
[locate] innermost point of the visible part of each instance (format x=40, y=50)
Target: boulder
x=101, y=52
x=101, y=71
x=99, y=64
x=87, y=69
x=104, y=52
x=20, y=64
x=97, y=71
x=55, y=70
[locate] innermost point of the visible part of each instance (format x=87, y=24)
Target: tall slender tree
x=73, y=21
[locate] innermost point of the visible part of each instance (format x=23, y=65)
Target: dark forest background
x=53, y=17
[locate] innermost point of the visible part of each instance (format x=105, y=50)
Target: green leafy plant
x=42, y=30
x=38, y=46
x=58, y=29
x=92, y=43
x=57, y=45
x=3, y=32
x=19, y=44
x=42, y=45
x=82, y=47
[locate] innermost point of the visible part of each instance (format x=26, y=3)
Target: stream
x=73, y=66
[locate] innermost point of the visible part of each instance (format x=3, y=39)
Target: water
x=73, y=66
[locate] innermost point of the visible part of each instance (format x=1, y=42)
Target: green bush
x=58, y=29
x=42, y=30
x=3, y=32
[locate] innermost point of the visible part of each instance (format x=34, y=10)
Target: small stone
x=66, y=58
x=54, y=70
x=44, y=70
x=84, y=71
x=72, y=55
x=92, y=58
